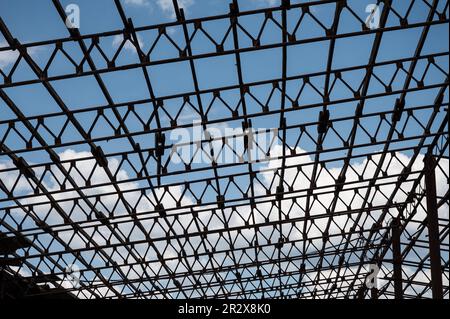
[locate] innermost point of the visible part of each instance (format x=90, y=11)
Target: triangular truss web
x=289, y=150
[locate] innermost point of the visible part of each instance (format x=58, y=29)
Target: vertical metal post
x=2, y=283
x=374, y=293
x=433, y=227
x=397, y=259
x=360, y=294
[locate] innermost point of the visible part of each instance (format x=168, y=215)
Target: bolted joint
x=280, y=192
x=221, y=201
x=100, y=156
x=160, y=141
x=160, y=209
x=324, y=121
x=22, y=165
x=398, y=110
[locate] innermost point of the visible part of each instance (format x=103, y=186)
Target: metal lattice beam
x=340, y=184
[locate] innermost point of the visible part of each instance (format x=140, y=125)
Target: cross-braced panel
x=285, y=150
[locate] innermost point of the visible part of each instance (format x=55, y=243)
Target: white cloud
x=167, y=6
x=80, y=169
x=9, y=57
x=84, y=168
x=267, y=2
x=129, y=46
x=12, y=180
x=300, y=182
x=138, y=3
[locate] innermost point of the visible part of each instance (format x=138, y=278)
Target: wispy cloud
x=167, y=6
x=7, y=57
x=267, y=2
x=10, y=57
x=138, y=3
x=118, y=39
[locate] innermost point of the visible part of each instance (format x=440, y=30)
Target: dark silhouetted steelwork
x=238, y=236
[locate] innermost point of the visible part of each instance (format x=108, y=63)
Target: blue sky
x=175, y=78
